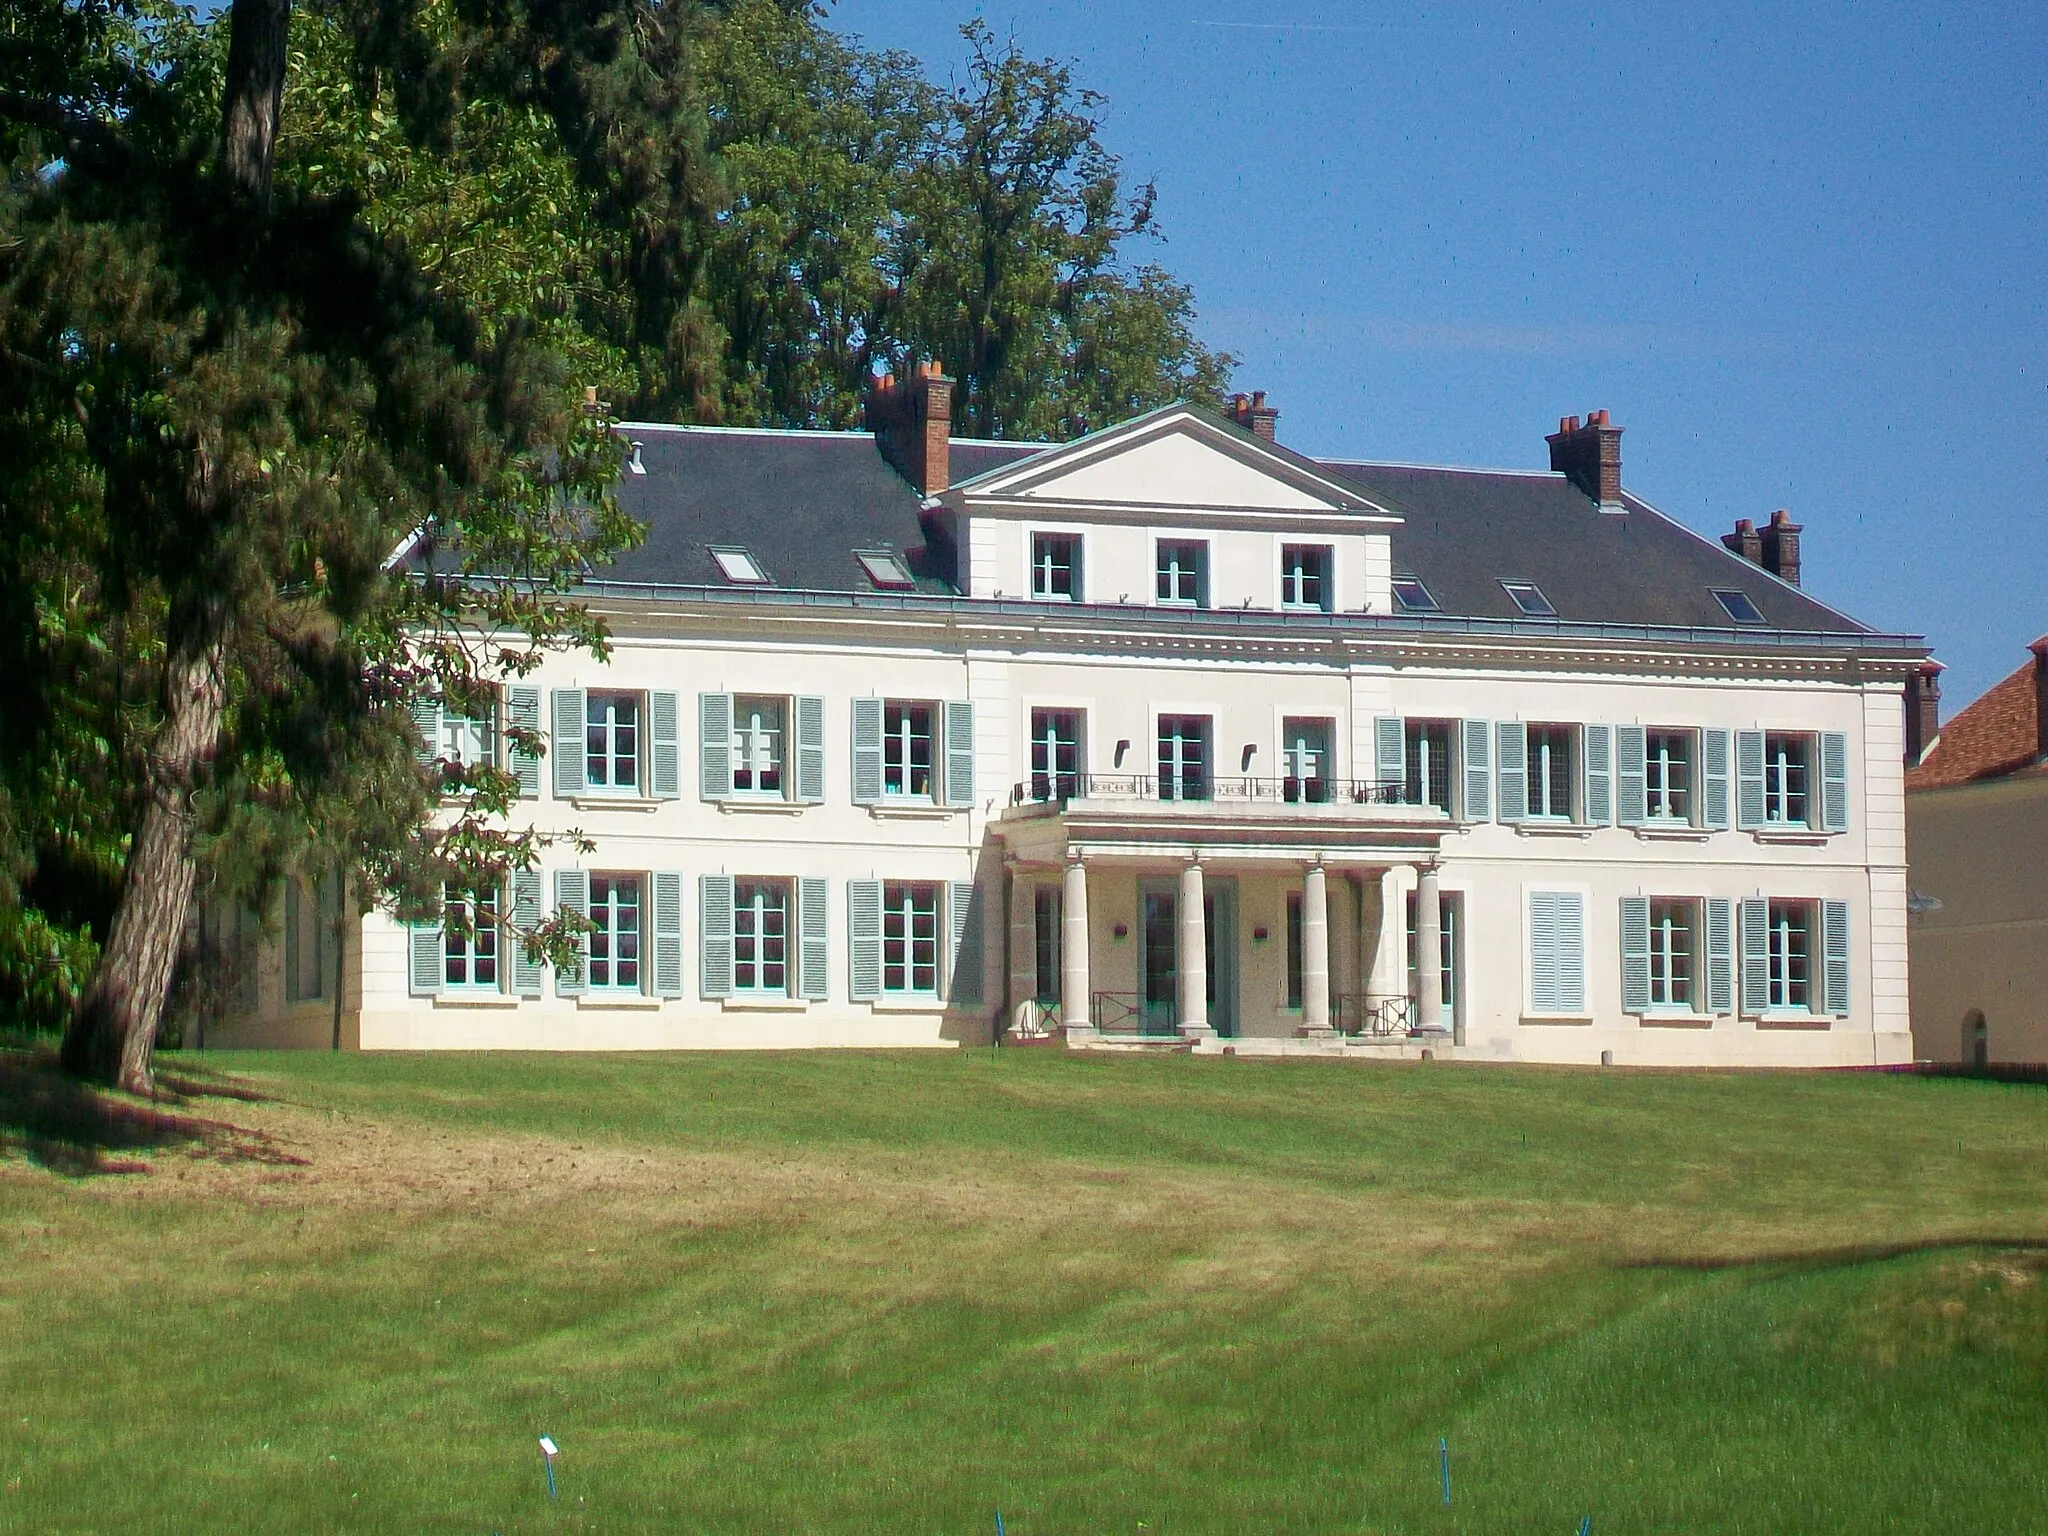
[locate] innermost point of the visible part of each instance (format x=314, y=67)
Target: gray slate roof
x=802, y=502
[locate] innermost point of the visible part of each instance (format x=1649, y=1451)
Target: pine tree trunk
x=113, y=1033
x=258, y=31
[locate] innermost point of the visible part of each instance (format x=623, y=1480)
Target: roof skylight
x=1413, y=596
x=735, y=564
x=1529, y=599
x=1737, y=605
x=885, y=568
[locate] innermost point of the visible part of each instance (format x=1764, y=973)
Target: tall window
x=910, y=939
x=615, y=906
x=1305, y=576
x=611, y=734
x=1045, y=915
x=1428, y=765
x=465, y=740
x=1183, y=571
x=1055, y=753
x=1790, y=956
x=1056, y=566
x=1674, y=944
x=1787, y=769
x=1296, y=964
x=1550, y=771
x=757, y=746
x=907, y=749
x=1667, y=775
x=469, y=938
x=1183, y=757
x=760, y=936
x=1305, y=759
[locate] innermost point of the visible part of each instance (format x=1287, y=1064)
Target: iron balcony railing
x=1372, y=1017
x=1057, y=788
x=1125, y=1013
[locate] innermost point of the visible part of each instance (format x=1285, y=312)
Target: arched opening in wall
x=1976, y=1039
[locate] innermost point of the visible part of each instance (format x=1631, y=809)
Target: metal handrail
x=1034, y=1020
x=1058, y=788
x=1372, y=1016
x=1123, y=1013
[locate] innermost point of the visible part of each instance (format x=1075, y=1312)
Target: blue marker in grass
x=1443, y=1458
x=548, y=1453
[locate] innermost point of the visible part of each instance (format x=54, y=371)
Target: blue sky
x=1798, y=251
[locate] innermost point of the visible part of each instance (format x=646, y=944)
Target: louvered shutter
x=714, y=935
x=1834, y=946
x=810, y=750
x=1542, y=953
x=1720, y=956
x=714, y=745
x=668, y=933
x=867, y=751
x=522, y=711
x=426, y=719
x=666, y=770
x=1599, y=797
x=1571, y=951
x=1635, y=954
x=1512, y=757
x=864, y=939
x=1834, y=782
x=526, y=916
x=1714, y=780
x=1476, y=748
x=1749, y=779
x=1390, y=753
x=1756, y=960
x=568, y=745
x=1631, y=790
x=572, y=896
x=963, y=911
x=426, y=967
x=959, y=745
x=814, y=980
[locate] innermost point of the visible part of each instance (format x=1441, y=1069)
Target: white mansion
x=1171, y=735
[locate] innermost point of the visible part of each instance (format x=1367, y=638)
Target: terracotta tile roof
x=1990, y=739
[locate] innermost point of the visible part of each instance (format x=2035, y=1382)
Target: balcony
x=1059, y=788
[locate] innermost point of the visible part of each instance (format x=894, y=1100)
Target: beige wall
x=1981, y=850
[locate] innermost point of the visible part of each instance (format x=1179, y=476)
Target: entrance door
x=1220, y=904
x=1156, y=996
x=1160, y=974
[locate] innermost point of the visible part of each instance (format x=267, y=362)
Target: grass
x=864, y=1293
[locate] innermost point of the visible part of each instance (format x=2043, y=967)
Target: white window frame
x=755, y=753
x=1297, y=758
x=754, y=902
x=899, y=755
x=1779, y=792
x=604, y=733
x=907, y=905
x=1295, y=577
x=1545, y=778
x=1176, y=778
x=612, y=937
x=1664, y=954
x=483, y=944
x=1174, y=575
x=1044, y=568
x=1658, y=790
x=1782, y=962
x=1048, y=749
x=1417, y=747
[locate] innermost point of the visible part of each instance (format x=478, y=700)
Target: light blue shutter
x=568, y=744
x=1720, y=956
x=1631, y=790
x=1599, y=775
x=526, y=915
x=426, y=719
x=1477, y=750
x=522, y=711
x=1542, y=953
x=864, y=939
x=959, y=752
x=963, y=909
x=1749, y=779
x=1390, y=751
x=572, y=895
x=1714, y=780
x=1756, y=960
x=426, y=968
x=1571, y=951
x=714, y=745
x=668, y=933
x=1512, y=757
x=813, y=980
x=1635, y=954
x=1834, y=781
x=1834, y=948
x=810, y=750
x=867, y=751
x=666, y=777
x=714, y=935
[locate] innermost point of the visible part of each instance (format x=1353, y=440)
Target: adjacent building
x=1172, y=736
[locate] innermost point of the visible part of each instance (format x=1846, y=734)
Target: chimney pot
x=914, y=425
x=1590, y=457
x=1780, y=543
x=1923, y=710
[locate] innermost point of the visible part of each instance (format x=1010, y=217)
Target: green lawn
x=863, y=1293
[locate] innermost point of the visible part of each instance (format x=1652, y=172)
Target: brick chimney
x=2040, y=650
x=913, y=422
x=1923, y=711
x=1746, y=541
x=1253, y=414
x=1781, y=546
x=1590, y=457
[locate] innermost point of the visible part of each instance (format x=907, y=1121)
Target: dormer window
x=885, y=568
x=1183, y=573
x=1305, y=577
x=737, y=566
x=1413, y=596
x=1737, y=605
x=1056, y=566
x=1530, y=599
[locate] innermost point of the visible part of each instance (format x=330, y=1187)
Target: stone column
x=1386, y=977
x=1023, y=994
x=1429, y=951
x=1315, y=949
x=1075, y=1000
x=1191, y=955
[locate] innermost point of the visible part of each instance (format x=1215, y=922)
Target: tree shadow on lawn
x=69, y=1127
x=1842, y=1256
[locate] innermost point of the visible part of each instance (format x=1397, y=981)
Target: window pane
x=1787, y=761
x=1667, y=774
x=757, y=746
x=906, y=749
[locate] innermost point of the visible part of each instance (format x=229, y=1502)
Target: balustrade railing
x=1043, y=788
